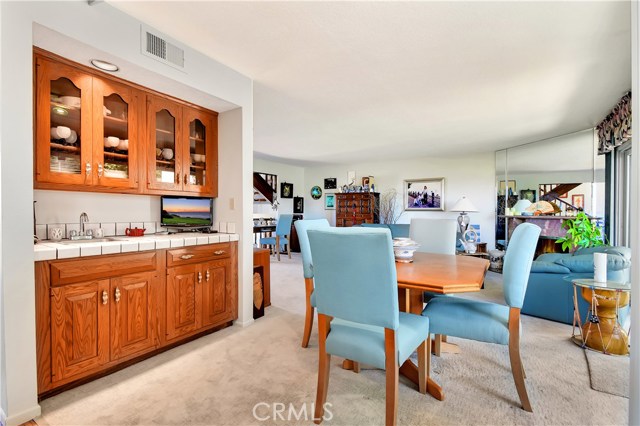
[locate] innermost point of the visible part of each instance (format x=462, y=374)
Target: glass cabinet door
x=115, y=134
x=200, y=152
x=164, y=149
x=63, y=144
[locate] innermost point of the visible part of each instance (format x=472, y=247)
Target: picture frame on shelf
x=286, y=190
x=425, y=194
x=329, y=201
x=298, y=205
x=502, y=187
x=330, y=183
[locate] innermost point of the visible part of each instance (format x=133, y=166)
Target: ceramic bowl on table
x=403, y=249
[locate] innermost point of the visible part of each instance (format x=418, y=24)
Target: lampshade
x=521, y=206
x=464, y=205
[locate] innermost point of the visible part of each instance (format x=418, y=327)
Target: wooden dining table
x=436, y=273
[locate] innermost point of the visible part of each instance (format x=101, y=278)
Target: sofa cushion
x=542, y=267
x=584, y=262
x=619, y=250
x=551, y=257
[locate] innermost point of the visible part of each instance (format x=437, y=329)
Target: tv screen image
x=183, y=211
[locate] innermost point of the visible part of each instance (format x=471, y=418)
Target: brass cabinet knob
x=207, y=275
x=105, y=297
x=117, y=294
x=199, y=277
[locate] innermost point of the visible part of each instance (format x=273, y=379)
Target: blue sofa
x=550, y=290
x=398, y=230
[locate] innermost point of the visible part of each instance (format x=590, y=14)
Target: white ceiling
x=347, y=81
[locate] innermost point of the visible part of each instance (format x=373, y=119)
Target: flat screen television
x=186, y=212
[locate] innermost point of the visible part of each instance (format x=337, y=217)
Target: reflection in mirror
x=501, y=173
x=563, y=171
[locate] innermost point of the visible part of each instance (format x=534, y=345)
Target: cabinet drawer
x=186, y=255
x=76, y=270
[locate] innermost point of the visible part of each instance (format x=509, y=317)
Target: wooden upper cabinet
x=164, y=147
x=116, y=116
x=95, y=132
x=79, y=328
x=200, y=156
x=63, y=124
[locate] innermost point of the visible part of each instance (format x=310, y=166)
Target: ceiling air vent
x=161, y=48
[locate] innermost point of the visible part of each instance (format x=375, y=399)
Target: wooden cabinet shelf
x=67, y=148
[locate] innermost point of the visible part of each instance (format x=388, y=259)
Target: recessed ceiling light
x=104, y=65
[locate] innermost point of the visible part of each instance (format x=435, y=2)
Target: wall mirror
x=565, y=171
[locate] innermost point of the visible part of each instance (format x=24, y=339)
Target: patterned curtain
x=615, y=130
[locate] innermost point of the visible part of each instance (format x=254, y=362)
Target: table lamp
x=463, y=206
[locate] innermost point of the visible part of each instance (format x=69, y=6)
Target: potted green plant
x=581, y=233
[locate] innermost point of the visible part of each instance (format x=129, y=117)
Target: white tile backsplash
x=222, y=227
x=231, y=227
x=41, y=232
x=109, y=229
x=137, y=225
x=92, y=227
x=121, y=227
x=150, y=227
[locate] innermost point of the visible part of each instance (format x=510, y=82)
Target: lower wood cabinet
x=87, y=324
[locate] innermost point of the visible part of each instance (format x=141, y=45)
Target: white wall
x=285, y=173
x=95, y=26
x=472, y=176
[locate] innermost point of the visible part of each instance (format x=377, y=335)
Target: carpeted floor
x=219, y=379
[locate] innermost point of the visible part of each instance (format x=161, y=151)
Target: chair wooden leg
x=356, y=367
x=289, y=245
x=437, y=344
x=308, y=319
x=422, y=366
x=514, y=356
x=324, y=363
x=392, y=373
x=277, y=247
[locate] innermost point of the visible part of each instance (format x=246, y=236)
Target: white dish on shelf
x=111, y=141
x=123, y=145
x=73, y=137
x=71, y=101
x=60, y=132
x=106, y=111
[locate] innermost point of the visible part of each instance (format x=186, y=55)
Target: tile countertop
x=49, y=250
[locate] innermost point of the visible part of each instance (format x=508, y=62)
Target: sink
x=94, y=240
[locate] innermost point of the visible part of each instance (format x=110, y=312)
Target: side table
x=601, y=330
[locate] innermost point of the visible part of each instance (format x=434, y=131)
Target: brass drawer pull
x=206, y=275
x=219, y=252
x=100, y=169
x=117, y=294
x=105, y=297
x=186, y=256
x=199, y=277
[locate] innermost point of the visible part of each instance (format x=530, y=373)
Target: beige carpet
x=608, y=373
x=219, y=379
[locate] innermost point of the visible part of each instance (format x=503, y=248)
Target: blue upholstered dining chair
x=492, y=322
x=283, y=229
x=357, y=302
x=302, y=226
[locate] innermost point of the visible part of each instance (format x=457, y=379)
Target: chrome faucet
x=83, y=219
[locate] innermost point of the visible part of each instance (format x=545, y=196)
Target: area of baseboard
x=243, y=323
x=23, y=417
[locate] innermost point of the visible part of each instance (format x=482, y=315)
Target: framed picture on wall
x=424, y=194
x=286, y=190
x=329, y=201
x=578, y=201
x=298, y=205
x=528, y=194
x=330, y=183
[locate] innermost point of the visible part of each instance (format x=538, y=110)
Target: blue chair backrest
x=355, y=275
x=517, y=263
x=302, y=226
x=283, y=227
